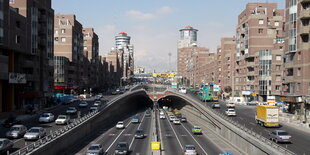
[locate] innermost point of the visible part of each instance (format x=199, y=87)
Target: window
x=299, y=72
x=17, y=39
x=63, y=30
x=63, y=39
x=85, y=47
x=278, y=57
x=276, y=23
x=277, y=87
x=278, y=77
x=260, y=31
x=56, y=38
x=278, y=67
x=261, y=21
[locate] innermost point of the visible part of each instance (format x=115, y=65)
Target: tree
x=227, y=89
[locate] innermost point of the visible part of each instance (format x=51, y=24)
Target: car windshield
x=139, y=131
x=119, y=146
x=34, y=130
x=282, y=133
x=45, y=115
x=15, y=128
x=120, y=123
x=189, y=148
x=1, y=142
x=196, y=127
x=62, y=117
x=231, y=110
x=94, y=148
x=70, y=108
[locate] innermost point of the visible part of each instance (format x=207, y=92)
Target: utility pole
x=169, y=54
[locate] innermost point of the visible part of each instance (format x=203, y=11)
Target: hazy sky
x=154, y=24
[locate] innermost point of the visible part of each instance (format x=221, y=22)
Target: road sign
x=155, y=145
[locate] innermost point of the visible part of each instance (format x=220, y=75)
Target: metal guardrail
x=54, y=134
x=245, y=129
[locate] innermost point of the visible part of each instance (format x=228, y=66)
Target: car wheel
x=276, y=140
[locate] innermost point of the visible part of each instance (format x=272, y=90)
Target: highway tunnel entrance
x=173, y=102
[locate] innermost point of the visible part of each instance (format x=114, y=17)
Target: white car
x=120, y=125
x=162, y=116
x=62, y=119
x=230, y=112
x=230, y=105
x=176, y=121
x=97, y=103
x=46, y=118
x=190, y=150
x=35, y=133
x=182, y=90
x=171, y=118
x=161, y=112
x=71, y=110
x=83, y=104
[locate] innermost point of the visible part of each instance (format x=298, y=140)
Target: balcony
x=250, y=64
x=252, y=73
x=288, y=79
x=289, y=64
x=305, y=30
x=305, y=14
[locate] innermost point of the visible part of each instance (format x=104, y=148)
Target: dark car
x=139, y=134
x=122, y=148
x=10, y=121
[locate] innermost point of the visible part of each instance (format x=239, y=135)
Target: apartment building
x=259, y=50
x=29, y=52
x=68, y=43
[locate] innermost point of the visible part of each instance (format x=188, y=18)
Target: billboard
x=216, y=87
x=163, y=75
x=17, y=78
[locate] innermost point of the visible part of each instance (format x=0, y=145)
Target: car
x=252, y=103
x=35, y=133
x=120, y=125
x=176, y=121
x=5, y=144
x=162, y=116
x=122, y=148
x=196, y=130
x=135, y=119
x=230, y=112
x=62, y=119
x=16, y=131
x=10, y=121
x=183, y=119
x=161, y=112
x=95, y=149
x=97, y=103
x=182, y=90
x=83, y=104
x=280, y=136
x=71, y=110
x=230, y=105
x=190, y=150
x=216, y=105
x=98, y=97
x=171, y=118
x=92, y=108
x=46, y=118
x=139, y=134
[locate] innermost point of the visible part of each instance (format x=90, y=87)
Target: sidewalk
x=290, y=120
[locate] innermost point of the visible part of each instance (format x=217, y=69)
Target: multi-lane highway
x=246, y=116
x=58, y=110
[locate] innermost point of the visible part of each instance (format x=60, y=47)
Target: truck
x=267, y=115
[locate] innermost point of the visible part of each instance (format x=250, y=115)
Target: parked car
x=5, y=144
x=95, y=149
x=62, y=119
x=280, y=136
x=230, y=112
x=252, y=103
x=230, y=105
x=183, y=119
x=46, y=118
x=71, y=110
x=190, y=150
x=176, y=121
x=122, y=148
x=35, y=133
x=139, y=134
x=83, y=104
x=215, y=105
x=11, y=120
x=120, y=125
x=16, y=131
x=196, y=130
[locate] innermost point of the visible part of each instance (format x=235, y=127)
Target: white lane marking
x=175, y=134
x=195, y=140
x=160, y=134
x=252, y=123
x=138, y=129
x=117, y=137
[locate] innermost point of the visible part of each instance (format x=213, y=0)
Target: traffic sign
x=155, y=145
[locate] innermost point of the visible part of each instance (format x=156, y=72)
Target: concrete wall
x=106, y=118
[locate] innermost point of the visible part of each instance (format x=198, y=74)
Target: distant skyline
x=154, y=25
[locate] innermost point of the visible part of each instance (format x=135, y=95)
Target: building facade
x=188, y=37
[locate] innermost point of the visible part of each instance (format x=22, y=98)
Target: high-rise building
x=188, y=37
x=259, y=50
x=122, y=40
x=91, y=44
x=297, y=47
